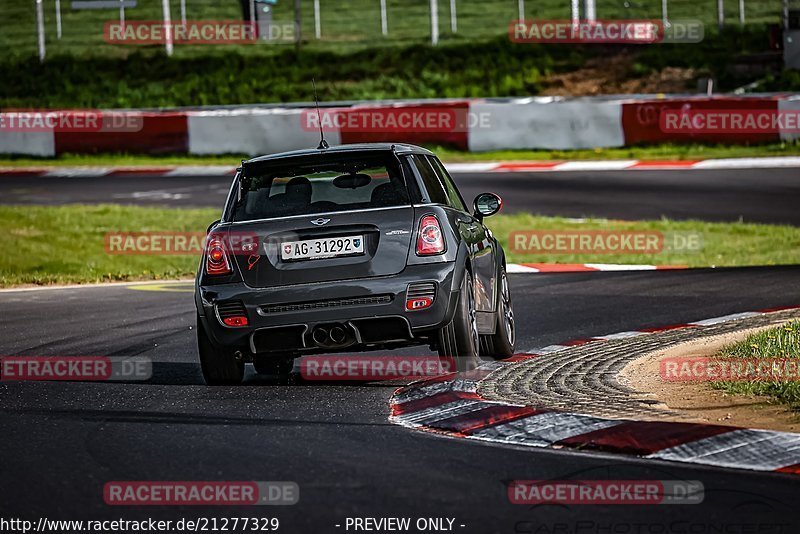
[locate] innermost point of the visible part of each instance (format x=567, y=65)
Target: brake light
x=217, y=261
x=418, y=303
x=430, y=239
x=236, y=320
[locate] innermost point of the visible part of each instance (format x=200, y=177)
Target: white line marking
x=620, y=267
x=725, y=318
x=545, y=429
x=471, y=167
x=610, y=165
x=748, y=163
x=761, y=450
x=90, y=286
x=517, y=268
x=205, y=170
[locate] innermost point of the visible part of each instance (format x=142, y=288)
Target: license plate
x=329, y=247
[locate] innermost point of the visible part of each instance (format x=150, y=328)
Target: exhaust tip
x=320, y=336
x=338, y=334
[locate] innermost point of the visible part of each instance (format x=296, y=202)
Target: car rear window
x=322, y=187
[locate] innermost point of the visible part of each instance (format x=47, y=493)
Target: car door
x=477, y=238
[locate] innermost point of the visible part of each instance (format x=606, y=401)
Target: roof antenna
x=323, y=144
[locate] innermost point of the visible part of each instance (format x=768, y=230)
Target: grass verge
x=781, y=342
x=666, y=152
x=66, y=244
x=487, y=67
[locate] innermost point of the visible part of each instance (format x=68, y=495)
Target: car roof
x=397, y=148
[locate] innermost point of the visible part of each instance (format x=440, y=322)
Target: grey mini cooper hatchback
x=350, y=248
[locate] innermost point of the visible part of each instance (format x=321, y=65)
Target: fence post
x=40, y=29
x=317, y=21
x=721, y=13
x=665, y=13
x=521, y=8
x=384, y=21
x=590, y=10
x=58, y=18
x=741, y=11
x=434, y=22
x=167, y=26
x=785, y=14
x=576, y=12
x=183, y=12
x=298, y=34
x=122, y=15
x=453, y=17
x=252, y=7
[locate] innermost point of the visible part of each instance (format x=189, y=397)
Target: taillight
x=430, y=239
x=217, y=261
x=236, y=320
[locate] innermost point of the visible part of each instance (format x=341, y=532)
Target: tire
x=500, y=345
x=219, y=366
x=459, y=339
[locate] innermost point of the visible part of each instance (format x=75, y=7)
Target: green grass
x=656, y=152
x=724, y=244
x=347, y=25
x=66, y=244
x=781, y=342
x=51, y=245
x=448, y=155
x=487, y=67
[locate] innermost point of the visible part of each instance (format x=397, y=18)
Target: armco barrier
x=791, y=103
x=41, y=144
x=583, y=123
x=455, y=134
x=480, y=125
x=641, y=120
x=251, y=131
x=161, y=133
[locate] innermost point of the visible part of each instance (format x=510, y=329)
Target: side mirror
x=487, y=204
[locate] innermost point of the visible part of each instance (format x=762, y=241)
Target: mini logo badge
x=320, y=221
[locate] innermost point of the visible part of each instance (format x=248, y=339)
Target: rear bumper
x=284, y=318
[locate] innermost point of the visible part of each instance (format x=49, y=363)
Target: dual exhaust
x=332, y=335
